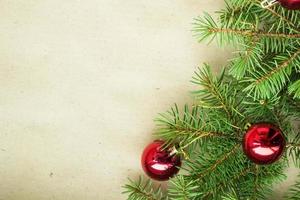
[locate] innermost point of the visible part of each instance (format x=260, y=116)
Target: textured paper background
x=81, y=82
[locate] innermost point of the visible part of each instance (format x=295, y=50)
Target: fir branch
x=258, y=183
x=236, y=33
x=219, y=161
x=270, y=80
x=292, y=107
x=182, y=189
x=211, y=94
x=238, y=16
x=293, y=149
x=294, y=192
x=268, y=67
x=242, y=173
x=230, y=195
x=293, y=145
x=216, y=93
x=294, y=88
x=204, y=28
x=278, y=13
x=261, y=110
x=248, y=60
x=143, y=190
x=280, y=67
x=223, y=153
x=249, y=33
x=191, y=126
x=215, y=164
x=255, y=186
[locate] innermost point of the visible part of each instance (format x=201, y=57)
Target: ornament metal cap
x=268, y=3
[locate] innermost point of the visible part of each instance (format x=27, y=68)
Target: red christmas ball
x=263, y=143
x=290, y=4
x=160, y=164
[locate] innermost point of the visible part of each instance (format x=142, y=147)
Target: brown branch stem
x=254, y=34
x=278, y=68
x=292, y=145
x=218, y=162
x=273, y=12
x=242, y=173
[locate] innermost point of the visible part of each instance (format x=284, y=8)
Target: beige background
x=80, y=84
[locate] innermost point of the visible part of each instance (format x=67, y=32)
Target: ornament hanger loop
x=174, y=151
x=268, y=3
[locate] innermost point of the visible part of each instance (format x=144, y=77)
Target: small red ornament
x=160, y=164
x=289, y=4
x=263, y=143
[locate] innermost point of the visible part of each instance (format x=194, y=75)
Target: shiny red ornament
x=263, y=143
x=290, y=4
x=160, y=164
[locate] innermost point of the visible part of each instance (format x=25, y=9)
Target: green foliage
x=209, y=136
x=194, y=125
x=260, y=84
x=267, y=42
x=294, y=191
x=294, y=149
x=272, y=77
x=295, y=89
x=183, y=189
x=143, y=190
x=231, y=195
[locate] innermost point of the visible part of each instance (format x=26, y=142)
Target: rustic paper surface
x=80, y=84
